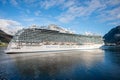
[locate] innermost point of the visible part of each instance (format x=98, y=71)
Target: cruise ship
x=52, y=38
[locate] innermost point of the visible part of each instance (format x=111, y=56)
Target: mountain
x=113, y=36
x=4, y=37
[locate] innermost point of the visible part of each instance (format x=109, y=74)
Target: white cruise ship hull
x=51, y=48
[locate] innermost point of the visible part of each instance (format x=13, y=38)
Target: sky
x=80, y=16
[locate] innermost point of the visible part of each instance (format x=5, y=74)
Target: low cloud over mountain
x=9, y=26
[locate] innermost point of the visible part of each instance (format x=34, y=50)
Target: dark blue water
x=64, y=65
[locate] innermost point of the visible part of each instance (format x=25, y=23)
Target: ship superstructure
x=40, y=39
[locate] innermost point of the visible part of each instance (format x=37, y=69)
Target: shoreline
x=2, y=44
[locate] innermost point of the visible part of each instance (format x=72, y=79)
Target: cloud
x=69, y=3
x=112, y=3
x=29, y=19
x=3, y=1
x=75, y=10
x=14, y=2
x=110, y=15
x=115, y=23
x=37, y=13
x=50, y=3
x=27, y=11
x=68, y=10
x=30, y=1
x=105, y=9
x=9, y=26
x=118, y=15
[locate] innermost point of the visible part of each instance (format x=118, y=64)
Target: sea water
x=61, y=65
